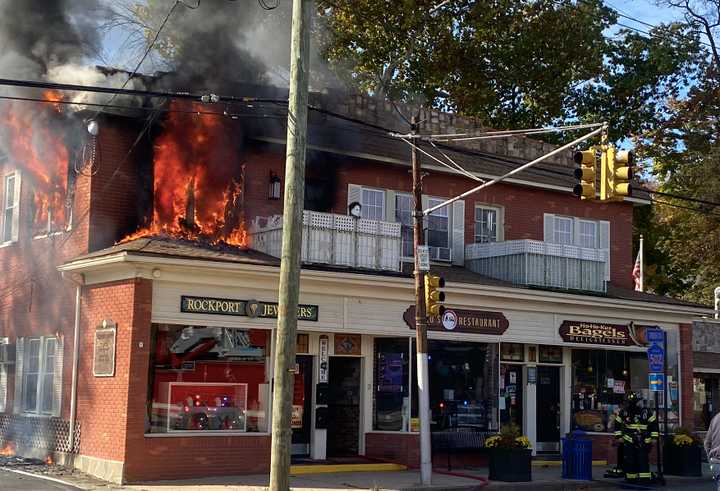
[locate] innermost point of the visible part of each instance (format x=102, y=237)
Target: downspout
x=75, y=364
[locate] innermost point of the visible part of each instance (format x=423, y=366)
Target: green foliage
x=510, y=436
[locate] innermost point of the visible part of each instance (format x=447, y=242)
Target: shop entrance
x=548, y=409
x=511, y=395
x=343, y=407
x=302, y=406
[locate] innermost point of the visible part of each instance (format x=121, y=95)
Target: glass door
x=548, y=409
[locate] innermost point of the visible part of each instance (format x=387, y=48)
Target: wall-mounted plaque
x=104, y=352
x=347, y=344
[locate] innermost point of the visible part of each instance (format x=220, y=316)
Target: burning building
x=139, y=291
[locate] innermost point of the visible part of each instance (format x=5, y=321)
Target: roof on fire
x=166, y=247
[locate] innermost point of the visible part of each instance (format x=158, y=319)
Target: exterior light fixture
x=274, y=188
x=93, y=127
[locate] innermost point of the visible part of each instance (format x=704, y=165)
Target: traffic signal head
x=585, y=174
x=617, y=172
x=433, y=296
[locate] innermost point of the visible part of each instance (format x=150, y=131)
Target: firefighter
x=637, y=428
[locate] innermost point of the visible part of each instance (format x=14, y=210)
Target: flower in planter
x=683, y=437
x=509, y=437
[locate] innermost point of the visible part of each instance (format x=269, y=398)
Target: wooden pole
x=289, y=292
x=421, y=322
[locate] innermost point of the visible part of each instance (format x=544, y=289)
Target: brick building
x=156, y=353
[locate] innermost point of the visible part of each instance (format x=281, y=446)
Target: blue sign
x=656, y=358
x=655, y=336
x=657, y=382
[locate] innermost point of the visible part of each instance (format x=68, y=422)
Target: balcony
x=338, y=240
x=537, y=263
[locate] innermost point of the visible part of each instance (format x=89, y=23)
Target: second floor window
x=403, y=215
x=10, y=208
x=486, y=224
x=438, y=225
x=588, y=234
x=563, y=230
x=373, y=204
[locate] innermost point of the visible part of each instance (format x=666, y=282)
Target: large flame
x=8, y=450
x=198, y=182
x=39, y=150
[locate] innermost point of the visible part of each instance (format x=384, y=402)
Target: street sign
x=656, y=358
x=423, y=253
x=657, y=382
x=655, y=335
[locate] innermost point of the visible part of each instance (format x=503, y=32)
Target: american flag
x=636, y=274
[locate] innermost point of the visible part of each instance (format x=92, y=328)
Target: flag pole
x=642, y=261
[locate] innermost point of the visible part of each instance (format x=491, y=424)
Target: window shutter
x=604, y=233
x=458, y=233
x=354, y=194
x=390, y=206
x=16, y=210
x=3, y=387
x=548, y=226
x=57, y=378
x=501, y=224
x=19, y=359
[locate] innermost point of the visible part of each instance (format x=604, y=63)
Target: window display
x=392, y=370
x=463, y=385
x=208, y=379
x=601, y=381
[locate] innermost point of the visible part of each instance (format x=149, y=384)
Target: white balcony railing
x=537, y=263
x=339, y=240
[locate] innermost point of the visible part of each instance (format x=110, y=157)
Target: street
x=11, y=481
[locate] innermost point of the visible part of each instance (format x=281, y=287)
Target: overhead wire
x=506, y=133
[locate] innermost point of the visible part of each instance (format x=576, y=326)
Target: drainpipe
x=75, y=363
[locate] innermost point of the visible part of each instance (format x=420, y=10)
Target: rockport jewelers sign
x=460, y=320
x=245, y=308
x=597, y=333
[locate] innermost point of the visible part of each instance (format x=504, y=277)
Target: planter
x=510, y=464
x=682, y=461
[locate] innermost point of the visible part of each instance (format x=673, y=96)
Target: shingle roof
x=163, y=246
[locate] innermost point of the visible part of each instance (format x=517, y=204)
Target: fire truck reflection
x=218, y=414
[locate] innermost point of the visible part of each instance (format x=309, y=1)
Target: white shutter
x=3, y=387
x=458, y=233
x=604, y=232
x=548, y=227
x=390, y=206
x=19, y=359
x=501, y=224
x=354, y=194
x=57, y=378
x=16, y=210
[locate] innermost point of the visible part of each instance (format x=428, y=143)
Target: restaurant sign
x=245, y=308
x=597, y=333
x=463, y=321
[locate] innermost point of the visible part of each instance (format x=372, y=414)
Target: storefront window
x=512, y=352
x=392, y=372
x=601, y=381
x=208, y=379
x=463, y=385
x=706, y=398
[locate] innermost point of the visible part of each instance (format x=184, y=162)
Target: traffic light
x=433, y=296
x=585, y=174
x=616, y=173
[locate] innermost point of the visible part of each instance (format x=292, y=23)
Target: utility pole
x=421, y=319
x=288, y=296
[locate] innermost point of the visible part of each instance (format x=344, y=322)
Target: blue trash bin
x=577, y=458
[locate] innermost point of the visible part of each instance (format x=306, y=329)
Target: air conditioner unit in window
x=440, y=254
x=7, y=353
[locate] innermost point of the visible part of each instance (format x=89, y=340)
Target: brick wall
x=399, y=448
x=524, y=207
x=686, y=376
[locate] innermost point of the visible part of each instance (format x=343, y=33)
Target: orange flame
x=8, y=450
x=49, y=460
x=55, y=97
x=197, y=182
x=40, y=152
